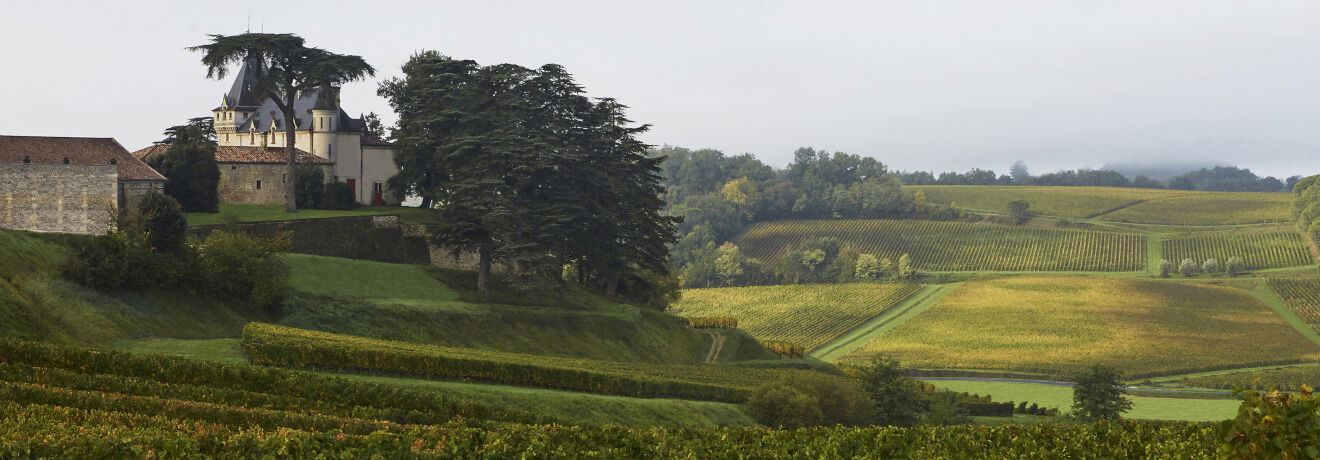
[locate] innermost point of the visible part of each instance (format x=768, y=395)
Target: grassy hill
x=1060, y=324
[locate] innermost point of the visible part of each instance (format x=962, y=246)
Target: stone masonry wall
x=58, y=197
x=238, y=182
x=376, y=238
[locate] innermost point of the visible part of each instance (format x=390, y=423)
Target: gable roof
x=78, y=150
x=241, y=154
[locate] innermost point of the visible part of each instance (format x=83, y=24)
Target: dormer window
x=66, y=160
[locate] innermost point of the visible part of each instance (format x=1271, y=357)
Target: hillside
x=1129, y=205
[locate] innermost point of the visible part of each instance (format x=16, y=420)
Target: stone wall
x=131, y=191
x=377, y=238
x=256, y=183
x=58, y=197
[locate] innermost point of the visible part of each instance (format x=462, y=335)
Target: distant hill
x=1159, y=170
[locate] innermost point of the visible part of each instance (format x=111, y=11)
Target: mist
x=919, y=85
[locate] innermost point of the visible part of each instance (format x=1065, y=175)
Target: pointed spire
x=240, y=94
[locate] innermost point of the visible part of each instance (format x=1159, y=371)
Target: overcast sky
x=917, y=84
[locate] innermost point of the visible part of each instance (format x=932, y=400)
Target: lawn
x=268, y=212
x=1061, y=324
x=806, y=315
x=337, y=277
x=222, y=350
x=1060, y=397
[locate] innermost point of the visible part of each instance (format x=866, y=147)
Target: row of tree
x=816, y=260
x=525, y=170
x=1219, y=178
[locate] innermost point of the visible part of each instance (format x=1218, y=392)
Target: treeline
x=718, y=195
x=524, y=169
x=1219, y=178
x=1306, y=206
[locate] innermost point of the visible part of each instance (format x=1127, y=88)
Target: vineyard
x=273, y=345
x=1302, y=295
x=1058, y=325
x=1208, y=208
x=1070, y=202
x=60, y=402
x=807, y=315
x=1257, y=249
x=1284, y=378
x=958, y=246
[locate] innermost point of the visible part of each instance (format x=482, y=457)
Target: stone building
x=69, y=184
x=251, y=175
x=323, y=128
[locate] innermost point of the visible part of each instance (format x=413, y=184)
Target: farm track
x=716, y=346
x=893, y=317
x=1115, y=209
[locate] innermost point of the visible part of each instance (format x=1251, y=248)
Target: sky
x=930, y=85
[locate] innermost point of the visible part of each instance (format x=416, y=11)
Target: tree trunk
x=483, y=271
x=611, y=283
x=290, y=151
x=426, y=203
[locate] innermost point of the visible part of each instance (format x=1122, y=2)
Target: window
x=27, y=159
x=284, y=178
x=258, y=185
x=234, y=168
x=375, y=187
x=66, y=160
x=114, y=161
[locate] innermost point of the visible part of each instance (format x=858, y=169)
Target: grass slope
x=806, y=315
x=958, y=246
x=1057, y=325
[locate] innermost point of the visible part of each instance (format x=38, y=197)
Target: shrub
x=947, y=408
x=1234, y=267
x=1211, y=266
x=778, y=404
x=1020, y=210
x=164, y=222
x=1166, y=268
x=310, y=187
x=338, y=195
x=242, y=267
x=841, y=401
x=1188, y=268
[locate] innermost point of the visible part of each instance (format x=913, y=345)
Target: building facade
x=250, y=175
x=323, y=129
x=69, y=184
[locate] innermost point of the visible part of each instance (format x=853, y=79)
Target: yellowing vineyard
x=1061, y=324
x=1302, y=295
x=1257, y=249
x=1208, y=208
x=807, y=315
x=1134, y=205
x=958, y=246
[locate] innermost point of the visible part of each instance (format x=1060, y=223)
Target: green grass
x=806, y=315
x=1058, y=325
x=221, y=350
x=958, y=246
x=582, y=408
x=1060, y=397
x=270, y=212
x=364, y=279
x=1258, y=248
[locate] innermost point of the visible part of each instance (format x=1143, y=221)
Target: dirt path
x=716, y=346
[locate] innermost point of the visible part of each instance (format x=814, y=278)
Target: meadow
x=1061, y=324
x=1131, y=205
x=1258, y=248
x=958, y=246
x=806, y=315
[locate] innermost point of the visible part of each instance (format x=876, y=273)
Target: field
x=806, y=315
x=958, y=246
x=1058, y=325
x=273, y=345
x=1302, y=295
x=1208, y=208
x=1272, y=248
x=1070, y=202
x=1142, y=206
x=1060, y=396
x=1284, y=378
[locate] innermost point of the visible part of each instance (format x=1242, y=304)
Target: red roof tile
x=77, y=150
x=241, y=154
